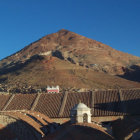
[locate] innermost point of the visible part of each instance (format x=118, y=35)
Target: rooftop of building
x=35, y=122
x=79, y=131
x=57, y=105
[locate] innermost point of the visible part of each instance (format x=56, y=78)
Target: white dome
x=80, y=106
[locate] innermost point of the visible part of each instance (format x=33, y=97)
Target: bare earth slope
x=69, y=60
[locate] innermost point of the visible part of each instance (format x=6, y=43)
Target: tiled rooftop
x=49, y=104
x=107, y=103
x=34, y=120
x=80, y=131
x=75, y=98
x=3, y=100
x=22, y=101
x=57, y=105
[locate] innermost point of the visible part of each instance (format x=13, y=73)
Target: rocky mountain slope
x=69, y=60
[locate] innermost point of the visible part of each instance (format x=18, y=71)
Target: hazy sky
x=113, y=22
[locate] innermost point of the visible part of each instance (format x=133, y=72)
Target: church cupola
x=80, y=113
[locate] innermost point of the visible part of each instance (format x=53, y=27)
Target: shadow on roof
x=127, y=107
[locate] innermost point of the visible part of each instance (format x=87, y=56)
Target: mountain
x=70, y=60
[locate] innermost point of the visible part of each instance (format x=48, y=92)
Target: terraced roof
x=49, y=104
x=58, y=105
x=21, y=102
x=107, y=103
x=3, y=100
x=75, y=98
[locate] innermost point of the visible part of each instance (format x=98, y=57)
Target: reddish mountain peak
x=78, y=50
x=63, y=31
x=67, y=55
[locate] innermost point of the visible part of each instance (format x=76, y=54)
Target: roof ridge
x=35, y=102
x=63, y=103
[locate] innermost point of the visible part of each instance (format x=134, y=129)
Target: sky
x=113, y=22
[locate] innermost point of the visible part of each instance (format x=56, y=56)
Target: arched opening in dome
x=85, y=118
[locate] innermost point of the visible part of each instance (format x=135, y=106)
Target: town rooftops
x=79, y=131
x=101, y=102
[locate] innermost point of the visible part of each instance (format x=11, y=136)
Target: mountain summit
x=78, y=50
x=67, y=59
